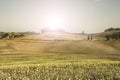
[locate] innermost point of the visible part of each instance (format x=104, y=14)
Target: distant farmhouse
x=44, y=30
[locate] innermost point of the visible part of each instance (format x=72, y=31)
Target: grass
x=22, y=59
x=59, y=67
x=62, y=69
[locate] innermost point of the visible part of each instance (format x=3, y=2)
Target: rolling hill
x=52, y=43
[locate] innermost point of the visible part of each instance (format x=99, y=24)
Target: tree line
x=112, y=29
x=10, y=35
x=113, y=35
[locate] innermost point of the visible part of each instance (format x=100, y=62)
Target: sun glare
x=54, y=23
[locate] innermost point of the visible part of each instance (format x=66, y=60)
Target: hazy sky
x=76, y=15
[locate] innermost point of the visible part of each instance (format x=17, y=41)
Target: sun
x=54, y=23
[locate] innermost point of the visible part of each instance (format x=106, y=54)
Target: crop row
x=103, y=71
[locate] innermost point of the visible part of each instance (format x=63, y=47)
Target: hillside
x=57, y=43
x=59, y=56
x=108, y=31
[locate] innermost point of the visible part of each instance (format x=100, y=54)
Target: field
x=32, y=58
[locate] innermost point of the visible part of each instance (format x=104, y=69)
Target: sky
x=90, y=16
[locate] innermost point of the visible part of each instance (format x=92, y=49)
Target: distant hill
x=108, y=31
x=57, y=36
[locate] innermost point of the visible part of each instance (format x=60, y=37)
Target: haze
x=75, y=15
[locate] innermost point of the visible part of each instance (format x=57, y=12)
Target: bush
x=115, y=36
x=111, y=29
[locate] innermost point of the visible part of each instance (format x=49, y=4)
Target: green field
x=27, y=59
